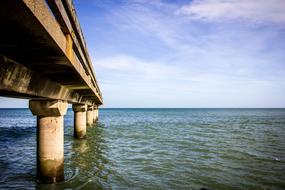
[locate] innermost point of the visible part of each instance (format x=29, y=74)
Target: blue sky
x=200, y=53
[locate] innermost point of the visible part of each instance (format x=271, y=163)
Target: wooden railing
x=65, y=14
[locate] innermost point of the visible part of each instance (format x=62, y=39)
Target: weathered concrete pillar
x=79, y=120
x=95, y=114
x=50, y=139
x=89, y=115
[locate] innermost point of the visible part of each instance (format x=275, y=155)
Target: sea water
x=154, y=149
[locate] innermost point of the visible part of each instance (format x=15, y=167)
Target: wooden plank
x=66, y=22
x=78, y=32
x=42, y=14
x=60, y=14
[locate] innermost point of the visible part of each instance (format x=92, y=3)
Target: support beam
x=43, y=46
x=79, y=120
x=90, y=115
x=50, y=139
x=17, y=80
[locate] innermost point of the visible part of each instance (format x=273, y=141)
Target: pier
x=44, y=58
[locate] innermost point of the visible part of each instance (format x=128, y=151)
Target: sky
x=199, y=53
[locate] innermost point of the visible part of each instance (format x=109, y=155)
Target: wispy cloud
x=198, y=53
x=195, y=53
x=179, y=27
x=153, y=19
x=133, y=66
x=261, y=11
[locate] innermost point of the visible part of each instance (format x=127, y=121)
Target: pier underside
x=44, y=58
x=33, y=37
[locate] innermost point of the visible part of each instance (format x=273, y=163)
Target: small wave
x=15, y=133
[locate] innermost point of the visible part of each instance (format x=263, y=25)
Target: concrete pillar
x=95, y=113
x=50, y=139
x=79, y=120
x=89, y=115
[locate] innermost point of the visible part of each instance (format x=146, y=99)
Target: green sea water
x=154, y=149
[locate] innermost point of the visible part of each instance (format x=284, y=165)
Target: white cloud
x=152, y=19
x=272, y=11
x=204, y=63
x=130, y=66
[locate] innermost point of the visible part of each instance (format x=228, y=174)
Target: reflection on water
x=154, y=149
x=84, y=162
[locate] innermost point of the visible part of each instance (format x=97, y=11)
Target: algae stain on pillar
x=79, y=120
x=50, y=139
x=95, y=114
x=89, y=115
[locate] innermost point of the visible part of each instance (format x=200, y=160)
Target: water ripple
x=155, y=149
